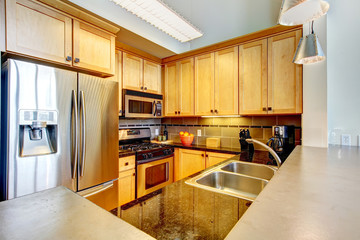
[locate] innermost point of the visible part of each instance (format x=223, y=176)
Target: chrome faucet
x=272, y=152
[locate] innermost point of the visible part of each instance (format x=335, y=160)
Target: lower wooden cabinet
x=188, y=162
x=127, y=178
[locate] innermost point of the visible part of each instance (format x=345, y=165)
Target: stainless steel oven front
x=154, y=175
x=142, y=105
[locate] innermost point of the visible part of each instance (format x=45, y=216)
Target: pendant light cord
x=312, y=27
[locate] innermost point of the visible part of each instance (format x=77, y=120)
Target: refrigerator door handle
x=99, y=189
x=83, y=134
x=74, y=98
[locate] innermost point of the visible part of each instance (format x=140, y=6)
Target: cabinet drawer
x=126, y=163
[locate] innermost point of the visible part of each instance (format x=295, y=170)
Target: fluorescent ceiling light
x=161, y=16
x=297, y=12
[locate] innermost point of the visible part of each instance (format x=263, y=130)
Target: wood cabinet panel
x=253, y=77
x=132, y=72
x=126, y=163
x=37, y=31
x=190, y=162
x=94, y=49
x=213, y=158
x=284, y=77
x=152, y=77
x=204, y=84
x=171, y=90
x=126, y=186
x=226, y=82
x=186, y=87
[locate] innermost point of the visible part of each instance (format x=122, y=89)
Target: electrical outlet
x=156, y=131
x=346, y=139
x=199, y=132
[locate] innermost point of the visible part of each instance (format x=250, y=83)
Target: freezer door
x=98, y=121
x=42, y=97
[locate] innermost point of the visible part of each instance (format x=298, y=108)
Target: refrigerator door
x=40, y=145
x=98, y=121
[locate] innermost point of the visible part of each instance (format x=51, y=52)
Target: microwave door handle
x=154, y=107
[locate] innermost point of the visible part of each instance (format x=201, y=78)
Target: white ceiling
x=218, y=20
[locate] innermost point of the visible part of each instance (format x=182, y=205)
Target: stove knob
x=165, y=151
x=150, y=155
x=144, y=156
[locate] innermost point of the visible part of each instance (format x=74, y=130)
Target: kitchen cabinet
x=188, y=161
x=93, y=48
x=127, y=178
x=269, y=82
x=140, y=74
x=216, y=83
x=179, y=88
x=38, y=31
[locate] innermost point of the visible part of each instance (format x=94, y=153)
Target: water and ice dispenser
x=38, y=132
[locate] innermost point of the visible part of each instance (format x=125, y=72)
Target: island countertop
x=314, y=195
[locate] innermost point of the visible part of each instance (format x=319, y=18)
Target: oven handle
x=153, y=159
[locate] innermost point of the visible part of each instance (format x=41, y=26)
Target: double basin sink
x=239, y=179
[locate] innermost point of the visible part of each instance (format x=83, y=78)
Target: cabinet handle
x=216, y=111
x=145, y=88
x=270, y=108
x=120, y=111
x=175, y=112
x=68, y=58
x=133, y=174
x=211, y=111
x=126, y=163
x=77, y=60
x=142, y=87
x=264, y=108
x=207, y=155
x=178, y=112
x=202, y=155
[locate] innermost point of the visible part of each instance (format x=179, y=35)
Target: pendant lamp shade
x=309, y=50
x=298, y=12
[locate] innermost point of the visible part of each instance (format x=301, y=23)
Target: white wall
x=314, y=118
x=343, y=41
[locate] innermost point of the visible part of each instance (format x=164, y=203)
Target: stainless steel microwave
x=142, y=105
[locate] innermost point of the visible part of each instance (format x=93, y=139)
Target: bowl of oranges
x=186, y=138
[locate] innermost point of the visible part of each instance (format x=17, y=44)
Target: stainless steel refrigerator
x=58, y=127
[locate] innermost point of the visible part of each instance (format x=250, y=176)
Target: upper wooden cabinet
x=93, y=48
x=269, y=82
x=216, y=83
x=179, y=88
x=36, y=30
x=141, y=75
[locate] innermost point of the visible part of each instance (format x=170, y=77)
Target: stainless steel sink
x=239, y=179
x=250, y=169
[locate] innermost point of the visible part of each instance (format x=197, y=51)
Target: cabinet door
x=213, y=158
x=204, y=84
x=94, y=49
x=152, y=77
x=126, y=186
x=186, y=87
x=35, y=30
x=118, y=76
x=284, y=77
x=190, y=162
x=171, y=89
x=253, y=77
x=226, y=82
x=132, y=72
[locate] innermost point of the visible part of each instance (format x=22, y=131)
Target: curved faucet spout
x=272, y=152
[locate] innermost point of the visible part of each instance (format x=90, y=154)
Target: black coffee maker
x=247, y=149
x=282, y=141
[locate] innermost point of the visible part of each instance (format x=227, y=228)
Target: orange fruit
x=181, y=133
x=186, y=134
x=191, y=135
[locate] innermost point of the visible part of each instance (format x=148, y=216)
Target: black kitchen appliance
x=282, y=141
x=247, y=149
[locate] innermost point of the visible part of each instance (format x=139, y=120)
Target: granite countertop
x=180, y=211
x=314, y=195
x=59, y=213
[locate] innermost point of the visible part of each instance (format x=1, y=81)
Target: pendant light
x=309, y=49
x=297, y=12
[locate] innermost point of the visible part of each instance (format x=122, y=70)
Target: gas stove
x=138, y=140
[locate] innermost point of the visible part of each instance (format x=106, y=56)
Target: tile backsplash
x=227, y=129
x=139, y=123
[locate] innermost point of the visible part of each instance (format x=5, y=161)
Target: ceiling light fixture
x=309, y=49
x=297, y=12
x=158, y=14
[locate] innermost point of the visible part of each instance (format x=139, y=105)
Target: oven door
x=142, y=107
x=154, y=175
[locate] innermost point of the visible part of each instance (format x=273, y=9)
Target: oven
x=154, y=174
x=142, y=105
